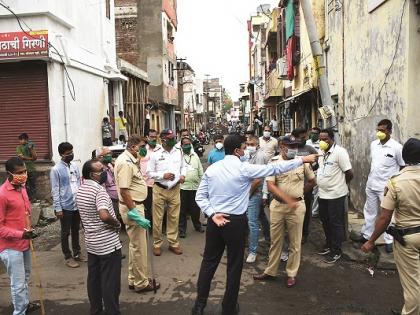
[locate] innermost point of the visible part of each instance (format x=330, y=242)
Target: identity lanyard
x=326, y=157
x=189, y=161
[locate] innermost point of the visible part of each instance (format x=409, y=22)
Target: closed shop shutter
x=24, y=107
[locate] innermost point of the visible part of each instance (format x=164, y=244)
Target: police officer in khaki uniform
x=402, y=199
x=132, y=191
x=287, y=210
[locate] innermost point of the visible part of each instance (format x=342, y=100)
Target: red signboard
x=21, y=45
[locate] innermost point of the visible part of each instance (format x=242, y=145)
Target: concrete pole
x=321, y=68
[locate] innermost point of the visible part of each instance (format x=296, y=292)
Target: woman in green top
x=189, y=189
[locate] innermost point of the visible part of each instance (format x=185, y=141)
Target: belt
x=135, y=202
x=163, y=186
x=294, y=199
x=408, y=231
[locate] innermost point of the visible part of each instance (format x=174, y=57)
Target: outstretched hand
x=310, y=158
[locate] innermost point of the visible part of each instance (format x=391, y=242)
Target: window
x=108, y=8
x=169, y=31
x=171, y=72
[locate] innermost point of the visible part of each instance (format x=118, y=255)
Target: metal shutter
x=24, y=107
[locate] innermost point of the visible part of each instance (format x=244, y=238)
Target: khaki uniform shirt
x=402, y=194
x=291, y=182
x=128, y=175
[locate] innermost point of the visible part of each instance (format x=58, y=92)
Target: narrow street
x=344, y=288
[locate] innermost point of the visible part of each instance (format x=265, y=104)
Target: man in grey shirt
x=303, y=150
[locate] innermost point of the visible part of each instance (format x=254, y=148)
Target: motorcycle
x=198, y=148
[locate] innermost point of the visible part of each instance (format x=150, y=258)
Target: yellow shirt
x=402, y=194
x=121, y=122
x=128, y=175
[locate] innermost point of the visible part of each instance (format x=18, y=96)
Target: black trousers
x=104, y=283
x=332, y=213
x=107, y=142
x=189, y=206
x=232, y=236
x=148, y=205
x=70, y=224
x=31, y=185
x=308, y=214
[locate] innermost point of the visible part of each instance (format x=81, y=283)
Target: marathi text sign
x=20, y=45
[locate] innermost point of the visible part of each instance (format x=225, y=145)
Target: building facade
x=372, y=52
x=59, y=79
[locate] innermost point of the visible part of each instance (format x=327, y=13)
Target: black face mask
x=103, y=178
x=68, y=158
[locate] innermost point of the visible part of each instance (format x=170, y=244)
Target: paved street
x=346, y=288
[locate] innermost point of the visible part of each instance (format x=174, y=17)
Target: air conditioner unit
x=282, y=68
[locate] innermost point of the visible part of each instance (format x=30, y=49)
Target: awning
x=293, y=97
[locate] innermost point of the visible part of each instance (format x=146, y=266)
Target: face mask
x=314, y=137
x=143, y=151
x=186, y=148
x=152, y=143
x=219, y=146
x=107, y=159
x=170, y=142
x=18, y=180
x=103, y=178
x=267, y=134
x=291, y=153
x=251, y=150
x=68, y=158
x=381, y=135
x=324, y=145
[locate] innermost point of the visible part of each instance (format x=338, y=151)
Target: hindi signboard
x=21, y=45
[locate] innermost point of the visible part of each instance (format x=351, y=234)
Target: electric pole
x=327, y=109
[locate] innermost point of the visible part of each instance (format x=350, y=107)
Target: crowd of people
x=153, y=187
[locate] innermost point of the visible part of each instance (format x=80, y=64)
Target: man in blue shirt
x=65, y=182
x=223, y=196
x=218, y=153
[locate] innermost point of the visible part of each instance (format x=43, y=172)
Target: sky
x=213, y=36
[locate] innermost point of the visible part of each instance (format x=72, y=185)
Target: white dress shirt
x=162, y=162
x=386, y=162
x=333, y=166
x=225, y=186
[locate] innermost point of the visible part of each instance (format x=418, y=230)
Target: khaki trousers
x=408, y=265
x=172, y=198
x=282, y=217
x=137, y=250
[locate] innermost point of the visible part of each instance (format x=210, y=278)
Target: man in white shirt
x=167, y=168
x=267, y=143
x=183, y=133
x=274, y=124
x=223, y=195
x=334, y=174
x=386, y=161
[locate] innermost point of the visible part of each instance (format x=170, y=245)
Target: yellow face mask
x=323, y=145
x=381, y=135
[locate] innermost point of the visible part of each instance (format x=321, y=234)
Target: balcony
x=274, y=86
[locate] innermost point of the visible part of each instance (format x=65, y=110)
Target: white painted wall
x=80, y=30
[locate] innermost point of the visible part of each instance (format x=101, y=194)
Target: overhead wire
x=70, y=84
x=378, y=96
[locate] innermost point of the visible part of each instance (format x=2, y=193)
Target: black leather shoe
x=182, y=234
x=394, y=311
x=359, y=238
x=197, y=310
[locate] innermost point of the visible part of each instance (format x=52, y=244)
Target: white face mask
x=267, y=134
x=219, y=145
x=252, y=150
